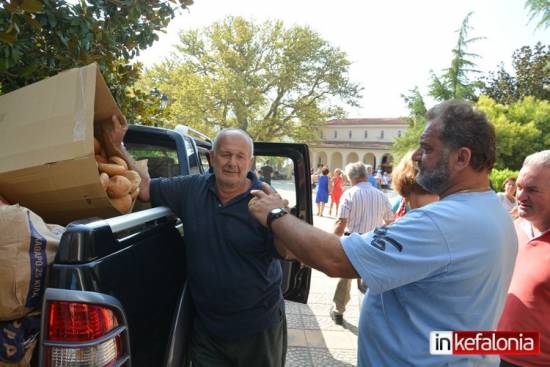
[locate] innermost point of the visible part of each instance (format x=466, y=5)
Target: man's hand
x=264, y=201
x=113, y=134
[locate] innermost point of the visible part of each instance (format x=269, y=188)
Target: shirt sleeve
x=169, y=192
x=406, y=251
x=345, y=205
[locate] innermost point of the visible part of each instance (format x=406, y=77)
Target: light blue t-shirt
x=446, y=266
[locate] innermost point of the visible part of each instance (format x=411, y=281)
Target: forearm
x=314, y=247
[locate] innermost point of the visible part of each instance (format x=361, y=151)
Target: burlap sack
x=27, y=247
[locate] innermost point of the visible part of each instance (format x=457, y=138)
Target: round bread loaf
x=104, y=179
x=111, y=169
x=117, y=160
x=122, y=204
x=134, y=178
x=118, y=186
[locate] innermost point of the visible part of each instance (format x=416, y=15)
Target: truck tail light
x=81, y=334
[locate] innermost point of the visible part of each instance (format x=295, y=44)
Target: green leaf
x=32, y=6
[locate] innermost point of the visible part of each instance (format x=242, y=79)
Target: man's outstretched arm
x=314, y=247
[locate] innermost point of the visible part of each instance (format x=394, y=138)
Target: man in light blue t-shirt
x=443, y=267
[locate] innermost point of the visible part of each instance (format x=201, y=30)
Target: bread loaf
x=118, y=186
x=111, y=169
x=104, y=178
x=122, y=204
x=134, y=178
x=117, y=160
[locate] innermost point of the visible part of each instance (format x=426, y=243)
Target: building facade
x=362, y=139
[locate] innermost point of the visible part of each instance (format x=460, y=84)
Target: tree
x=274, y=82
x=454, y=82
x=40, y=38
x=531, y=76
x=522, y=128
x=538, y=8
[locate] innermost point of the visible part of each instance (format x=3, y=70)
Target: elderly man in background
x=444, y=266
x=528, y=303
x=362, y=209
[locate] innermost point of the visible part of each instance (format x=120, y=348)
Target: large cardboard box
x=47, y=161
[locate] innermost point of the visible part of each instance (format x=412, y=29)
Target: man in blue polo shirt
x=232, y=267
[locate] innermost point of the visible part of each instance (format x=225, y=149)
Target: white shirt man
x=362, y=209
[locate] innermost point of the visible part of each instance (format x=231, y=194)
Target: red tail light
x=71, y=323
x=79, y=322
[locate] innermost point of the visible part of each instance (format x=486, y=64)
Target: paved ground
x=313, y=338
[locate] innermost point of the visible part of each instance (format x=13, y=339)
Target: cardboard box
x=47, y=161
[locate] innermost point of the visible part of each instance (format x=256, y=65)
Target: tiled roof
x=368, y=121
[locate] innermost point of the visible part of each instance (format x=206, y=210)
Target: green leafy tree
x=522, y=128
x=272, y=81
x=40, y=38
x=531, y=76
x=539, y=8
x=454, y=82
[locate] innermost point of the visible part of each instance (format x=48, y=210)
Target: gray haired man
x=362, y=209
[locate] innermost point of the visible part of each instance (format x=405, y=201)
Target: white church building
x=350, y=140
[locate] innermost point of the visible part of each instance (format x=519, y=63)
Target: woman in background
x=404, y=182
x=508, y=197
x=322, y=192
x=337, y=189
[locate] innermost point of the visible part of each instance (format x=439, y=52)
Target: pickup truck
x=116, y=293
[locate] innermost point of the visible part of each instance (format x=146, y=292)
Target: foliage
x=522, y=128
x=40, y=38
x=532, y=76
x=499, y=175
x=538, y=8
x=454, y=82
x=274, y=82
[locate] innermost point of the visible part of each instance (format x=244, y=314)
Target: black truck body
x=126, y=275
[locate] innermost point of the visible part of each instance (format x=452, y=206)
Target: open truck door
x=286, y=168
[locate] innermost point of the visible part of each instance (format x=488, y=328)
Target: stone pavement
x=313, y=338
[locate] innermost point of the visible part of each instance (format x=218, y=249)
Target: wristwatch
x=274, y=214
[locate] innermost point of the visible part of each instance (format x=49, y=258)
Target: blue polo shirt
x=232, y=270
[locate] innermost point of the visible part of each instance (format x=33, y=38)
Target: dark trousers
x=265, y=349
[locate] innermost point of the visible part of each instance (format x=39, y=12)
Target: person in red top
x=337, y=189
x=528, y=303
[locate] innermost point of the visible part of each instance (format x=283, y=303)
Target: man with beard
x=233, y=271
x=444, y=266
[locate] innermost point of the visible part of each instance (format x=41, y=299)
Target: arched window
x=366, y=135
x=381, y=134
x=335, y=134
x=398, y=133
x=349, y=134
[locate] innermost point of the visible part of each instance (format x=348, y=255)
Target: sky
x=392, y=44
